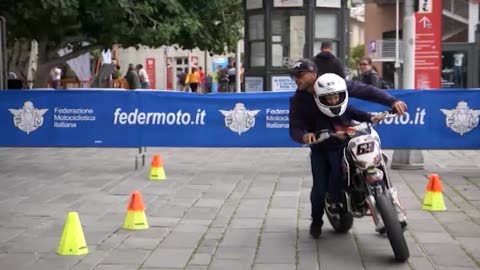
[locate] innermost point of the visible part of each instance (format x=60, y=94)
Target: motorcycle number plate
x=365, y=148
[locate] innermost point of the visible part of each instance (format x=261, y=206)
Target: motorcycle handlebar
x=361, y=127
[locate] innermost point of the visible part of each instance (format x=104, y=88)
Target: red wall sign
x=428, y=44
x=169, y=75
x=150, y=68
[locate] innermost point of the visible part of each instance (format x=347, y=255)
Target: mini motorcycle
x=368, y=189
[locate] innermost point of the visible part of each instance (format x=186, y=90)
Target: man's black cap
x=301, y=66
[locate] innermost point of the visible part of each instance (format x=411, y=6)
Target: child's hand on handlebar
x=342, y=135
x=309, y=138
x=378, y=117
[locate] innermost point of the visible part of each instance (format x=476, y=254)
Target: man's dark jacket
x=328, y=63
x=305, y=117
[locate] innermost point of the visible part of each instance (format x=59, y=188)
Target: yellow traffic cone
x=136, y=218
x=73, y=240
x=433, y=200
x=156, y=171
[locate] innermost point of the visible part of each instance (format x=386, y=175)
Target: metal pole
x=409, y=46
x=397, y=45
x=3, y=54
x=237, y=68
x=189, y=55
x=408, y=159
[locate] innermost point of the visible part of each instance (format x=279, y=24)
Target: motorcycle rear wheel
x=393, y=228
x=342, y=224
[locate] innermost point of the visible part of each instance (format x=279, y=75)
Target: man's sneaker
x=403, y=224
x=316, y=229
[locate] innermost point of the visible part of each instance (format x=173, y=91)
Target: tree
x=356, y=53
x=213, y=25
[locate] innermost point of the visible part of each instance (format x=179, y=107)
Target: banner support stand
x=141, y=154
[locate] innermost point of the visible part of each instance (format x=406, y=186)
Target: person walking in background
x=132, y=78
x=55, y=76
x=202, y=80
x=181, y=80
x=222, y=79
x=232, y=73
x=327, y=62
x=367, y=74
x=208, y=83
x=142, y=74
x=117, y=73
x=193, y=79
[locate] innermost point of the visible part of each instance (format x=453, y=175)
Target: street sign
x=150, y=69
x=428, y=44
x=372, y=46
x=425, y=6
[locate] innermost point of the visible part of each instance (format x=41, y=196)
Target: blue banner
x=436, y=119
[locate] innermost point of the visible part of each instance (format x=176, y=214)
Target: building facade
x=460, y=27
x=165, y=63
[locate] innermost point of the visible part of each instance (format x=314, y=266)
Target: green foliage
x=213, y=25
x=356, y=53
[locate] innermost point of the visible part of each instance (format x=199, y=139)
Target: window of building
x=326, y=29
x=288, y=37
x=454, y=69
x=288, y=3
x=254, y=4
x=182, y=61
x=256, y=35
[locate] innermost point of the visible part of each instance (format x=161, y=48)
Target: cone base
x=71, y=252
x=72, y=242
x=135, y=220
x=157, y=173
x=434, y=202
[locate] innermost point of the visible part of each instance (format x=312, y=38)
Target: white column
x=397, y=45
x=409, y=46
x=473, y=9
x=408, y=159
x=237, y=68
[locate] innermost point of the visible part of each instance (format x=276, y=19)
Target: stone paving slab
x=230, y=208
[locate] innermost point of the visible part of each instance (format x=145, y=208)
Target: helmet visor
x=333, y=100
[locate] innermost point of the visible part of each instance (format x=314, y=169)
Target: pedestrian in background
x=327, y=62
x=143, y=76
x=132, y=78
x=367, y=74
x=55, y=76
x=193, y=79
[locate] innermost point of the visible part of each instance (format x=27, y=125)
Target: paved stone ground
x=219, y=209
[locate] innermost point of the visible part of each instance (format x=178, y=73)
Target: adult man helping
x=303, y=117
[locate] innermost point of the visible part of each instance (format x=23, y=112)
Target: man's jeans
x=327, y=176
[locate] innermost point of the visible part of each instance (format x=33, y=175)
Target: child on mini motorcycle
x=336, y=116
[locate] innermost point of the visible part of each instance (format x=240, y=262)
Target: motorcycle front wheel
x=393, y=228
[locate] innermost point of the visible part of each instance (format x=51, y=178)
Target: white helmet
x=328, y=84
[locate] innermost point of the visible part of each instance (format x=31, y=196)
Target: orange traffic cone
x=433, y=200
x=156, y=171
x=136, y=218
